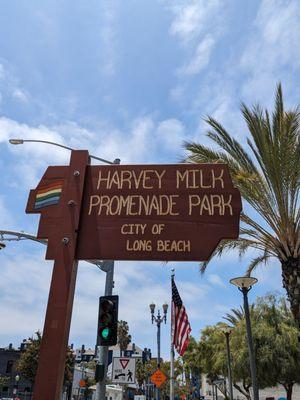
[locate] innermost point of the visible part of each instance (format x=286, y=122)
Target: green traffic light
x=105, y=333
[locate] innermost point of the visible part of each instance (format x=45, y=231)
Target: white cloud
x=2, y=74
x=10, y=85
x=144, y=141
x=215, y=279
x=6, y=218
x=20, y=95
x=171, y=132
x=198, y=25
x=192, y=18
x=270, y=55
x=108, y=37
x=201, y=57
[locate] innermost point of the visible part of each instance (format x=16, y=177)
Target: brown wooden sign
x=132, y=212
x=157, y=212
x=145, y=212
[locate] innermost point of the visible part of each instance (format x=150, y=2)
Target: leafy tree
x=144, y=371
x=91, y=365
x=275, y=341
x=268, y=178
x=123, y=336
x=89, y=382
x=283, y=340
x=3, y=380
x=28, y=362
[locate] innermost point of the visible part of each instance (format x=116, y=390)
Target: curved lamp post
x=21, y=141
x=16, y=236
x=244, y=284
x=227, y=331
x=158, y=320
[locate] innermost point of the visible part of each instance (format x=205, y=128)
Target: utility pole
x=108, y=268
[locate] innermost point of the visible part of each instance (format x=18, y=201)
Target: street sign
x=123, y=370
x=82, y=383
x=158, y=378
x=174, y=212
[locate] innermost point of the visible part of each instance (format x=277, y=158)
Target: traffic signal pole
x=108, y=268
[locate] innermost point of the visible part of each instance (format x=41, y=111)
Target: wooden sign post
x=134, y=212
x=58, y=198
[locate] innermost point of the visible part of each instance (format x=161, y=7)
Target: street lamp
x=17, y=378
x=227, y=331
x=244, y=284
x=21, y=141
x=158, y=320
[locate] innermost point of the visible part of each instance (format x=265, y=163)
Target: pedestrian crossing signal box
x=108, y=321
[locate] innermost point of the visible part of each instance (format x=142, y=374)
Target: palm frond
x=268, y=178
x=256, y=262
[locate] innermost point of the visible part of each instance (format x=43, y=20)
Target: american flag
x=180, y=326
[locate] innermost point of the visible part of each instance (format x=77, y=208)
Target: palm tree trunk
x=291, y=283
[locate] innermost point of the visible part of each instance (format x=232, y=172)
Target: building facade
x=12, y=383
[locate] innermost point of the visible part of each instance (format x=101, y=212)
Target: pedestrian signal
x=108, y=320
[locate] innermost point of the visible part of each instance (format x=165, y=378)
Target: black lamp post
x=244, y=284
x=17, y=378
x=227, y=331
x=158, y=320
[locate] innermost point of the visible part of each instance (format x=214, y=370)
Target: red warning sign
x=124, y=362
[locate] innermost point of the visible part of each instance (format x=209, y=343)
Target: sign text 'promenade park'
x=122, y=212
x=148, y=212
x=157, y=212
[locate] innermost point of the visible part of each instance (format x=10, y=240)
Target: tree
x=275, y=338
x=123, y=336
x=89, y=382
x=283, y=340
x=268, y=178
x=145, y=370
x=3, y=380
x=28, y=362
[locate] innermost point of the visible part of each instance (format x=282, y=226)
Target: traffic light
x=108, y=320
x=146, y=355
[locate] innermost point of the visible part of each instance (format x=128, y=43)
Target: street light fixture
x=227, y=331
x=17, y=378
x=21, y=141
x=158, y=320
x=152, y=309
x=165, y=307
x=244, y=284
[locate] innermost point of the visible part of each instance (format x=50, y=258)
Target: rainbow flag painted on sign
x=48, y=195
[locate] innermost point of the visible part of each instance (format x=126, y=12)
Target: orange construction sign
x=158, y=378
x=82, y=383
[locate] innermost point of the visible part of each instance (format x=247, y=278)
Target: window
x=9, y=366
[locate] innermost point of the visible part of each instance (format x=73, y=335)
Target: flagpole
x=172, y=348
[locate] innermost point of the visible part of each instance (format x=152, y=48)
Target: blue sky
x=129, y=79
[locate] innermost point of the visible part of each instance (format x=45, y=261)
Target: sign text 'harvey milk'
x=157, y=212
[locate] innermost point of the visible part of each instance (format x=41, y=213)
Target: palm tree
x=123, y=336
x=267, y=174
